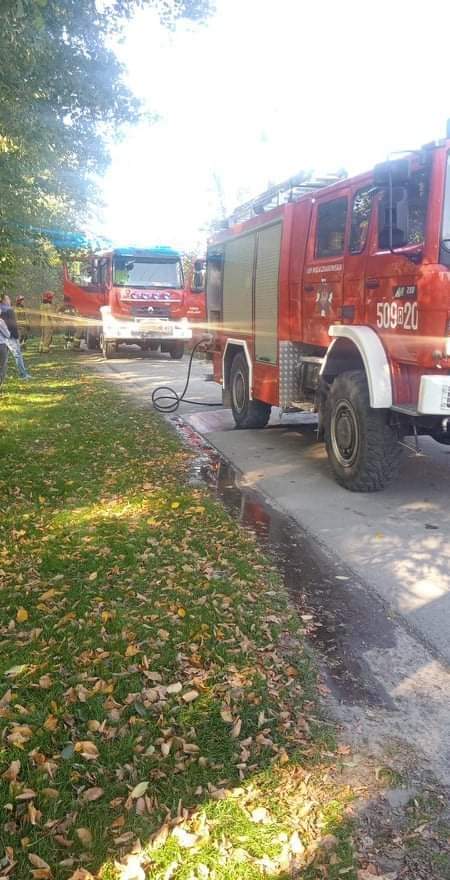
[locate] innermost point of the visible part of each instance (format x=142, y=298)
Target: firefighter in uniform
x=23, y=321
x=67, y=311
x=46, y=321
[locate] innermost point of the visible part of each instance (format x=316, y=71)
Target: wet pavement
x=340, y=619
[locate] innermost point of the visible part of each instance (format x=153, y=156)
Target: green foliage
x=62, y=99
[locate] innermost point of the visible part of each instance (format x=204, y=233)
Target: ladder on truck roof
x=289, y=190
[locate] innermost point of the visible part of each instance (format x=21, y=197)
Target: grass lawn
x=157, y=706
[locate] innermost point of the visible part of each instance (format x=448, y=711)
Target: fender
x=241, y=343
x=373, y=356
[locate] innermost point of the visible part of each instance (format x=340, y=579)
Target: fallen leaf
x=39, y=863
x=22, y=615
x=85, y=836
x=132, y=869
x=19, y=735
x=49, y=594
x=81, y=874
x=175, y=504
x=93, y=576
x=181, y=612
x=184, y=838
x=87, y=750
x=26, y=795
x=260, y=815
x=16, y=670
x=226, y=715
x=12, y=772
x=92, y=794
x=51, y=723
x=139, y=790
x=190, y=696
x=175, y=688
x=236, y=729
x=45, y=682
x=67, y=752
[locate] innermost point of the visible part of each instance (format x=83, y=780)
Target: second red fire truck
x=335, y=299
x=135, y=296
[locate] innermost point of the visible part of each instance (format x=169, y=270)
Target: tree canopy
x=62, y=97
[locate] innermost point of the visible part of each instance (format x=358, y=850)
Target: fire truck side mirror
x=397, y=172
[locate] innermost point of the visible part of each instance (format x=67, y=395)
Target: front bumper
x=143, y=329
x=434, y=396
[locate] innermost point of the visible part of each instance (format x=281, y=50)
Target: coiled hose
x=166, y=400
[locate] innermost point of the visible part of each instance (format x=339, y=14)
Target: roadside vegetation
x=157, y=706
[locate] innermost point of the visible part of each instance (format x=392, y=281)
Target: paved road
x=392, y=545
x=397, y=540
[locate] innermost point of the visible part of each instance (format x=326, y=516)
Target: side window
x=409, y=212
x=82, y=272
x=361, y=210
x=330, y=235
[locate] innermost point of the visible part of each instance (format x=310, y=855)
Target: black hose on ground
x=166, y=400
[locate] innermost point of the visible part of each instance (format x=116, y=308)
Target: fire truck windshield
x=139, y=272
x=445, y=240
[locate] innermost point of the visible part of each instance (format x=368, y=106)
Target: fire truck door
x=391, y=287
x=86, y=286
x=324, y=270
x=353, y=304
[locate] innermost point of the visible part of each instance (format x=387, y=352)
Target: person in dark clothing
x=9, y=317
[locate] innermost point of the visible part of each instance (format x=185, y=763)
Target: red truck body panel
x=406, y=303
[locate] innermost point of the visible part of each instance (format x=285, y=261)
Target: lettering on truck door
x=324, y=269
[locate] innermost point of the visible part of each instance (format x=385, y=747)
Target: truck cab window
x=82, y=273
x=444, y=256
x=409, y=212
x=330, y=235
x=361, y=211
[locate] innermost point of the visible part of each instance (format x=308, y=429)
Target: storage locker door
x=237, y=285
x=266, y=294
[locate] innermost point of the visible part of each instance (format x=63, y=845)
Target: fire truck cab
x=131, y=295
x=335, y=299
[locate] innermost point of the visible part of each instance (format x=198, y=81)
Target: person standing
x=4, y=350
x=9, y=317
x=23, y=321
x=46, y=321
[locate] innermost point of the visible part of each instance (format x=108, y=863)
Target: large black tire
x=92, y=341
x=363, y=450
x=246, y=413
x=176, y=350
x=108, y=349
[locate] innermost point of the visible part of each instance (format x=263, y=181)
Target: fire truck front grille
x=153, y=312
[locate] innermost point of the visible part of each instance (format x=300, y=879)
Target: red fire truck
x=335, y=299
x=134, y=296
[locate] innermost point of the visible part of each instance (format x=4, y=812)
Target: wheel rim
x=239, y=393
x=345, y=433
